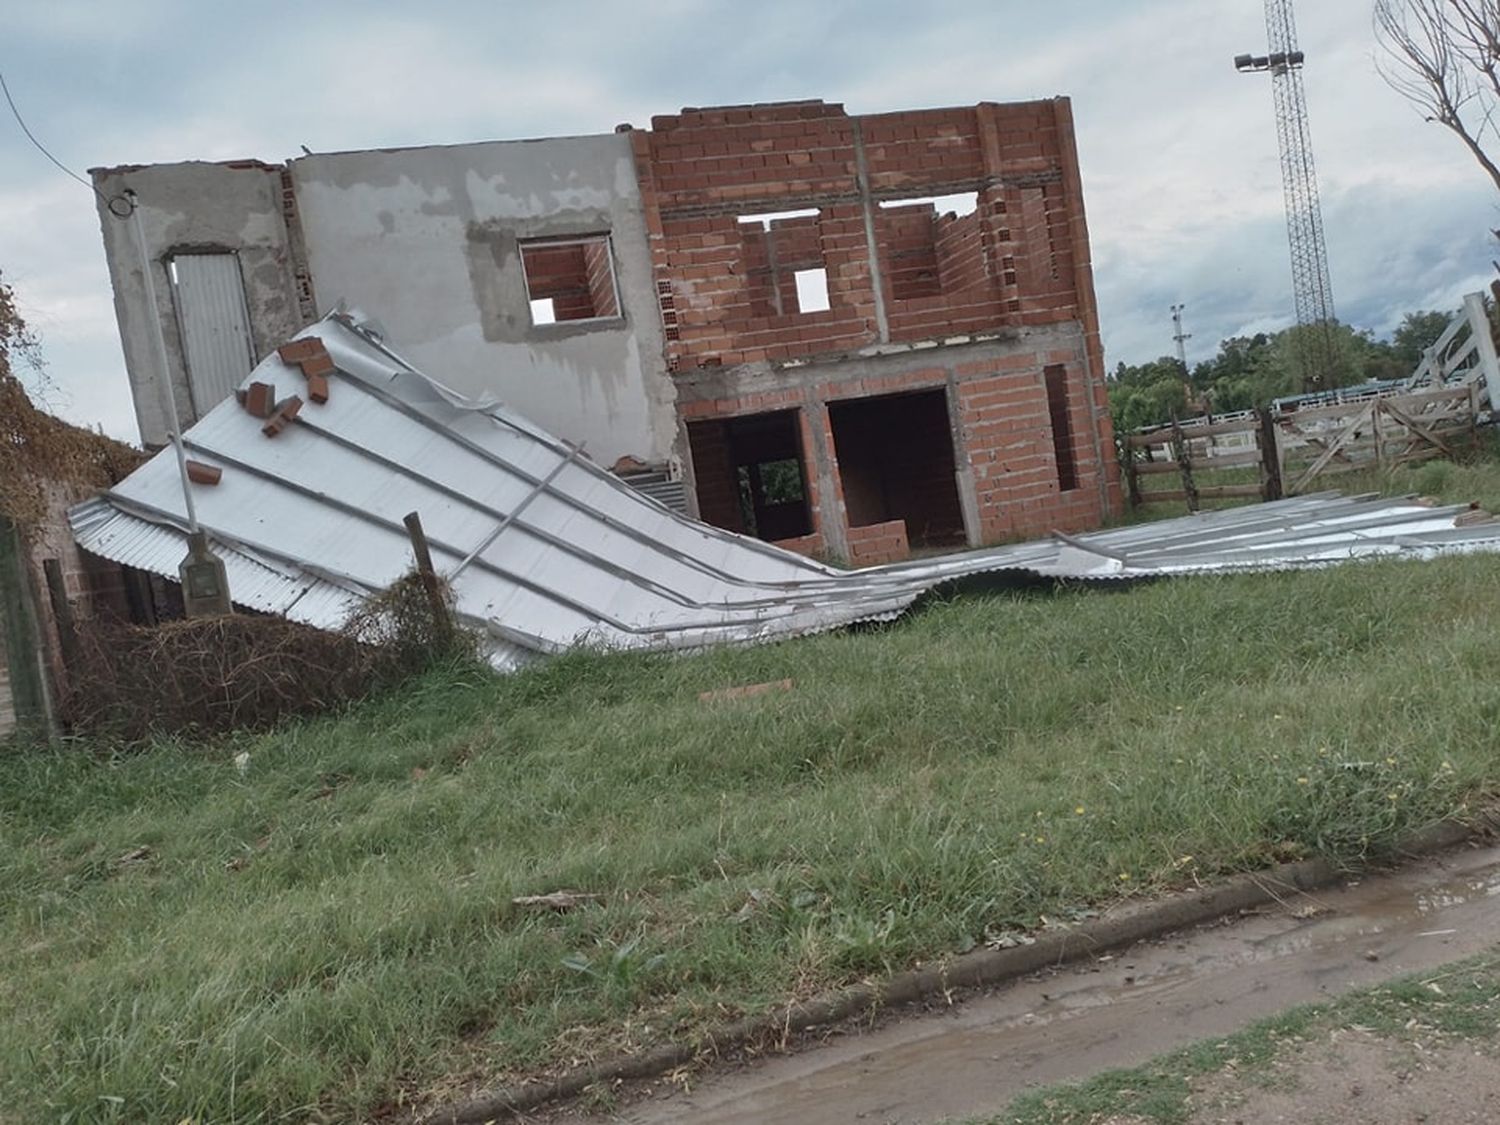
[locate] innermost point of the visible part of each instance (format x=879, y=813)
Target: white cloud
x=1179, y=152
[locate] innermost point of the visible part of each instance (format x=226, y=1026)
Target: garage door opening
x=751, y=475
x=895, y=455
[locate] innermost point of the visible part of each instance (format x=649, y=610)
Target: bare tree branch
x=1444, y=57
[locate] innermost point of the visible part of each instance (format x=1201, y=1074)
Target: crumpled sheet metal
x=309, y=524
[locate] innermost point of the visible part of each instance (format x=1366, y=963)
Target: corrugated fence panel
x=215, y=326
x=7, y=705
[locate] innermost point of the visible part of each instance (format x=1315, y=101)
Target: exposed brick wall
x=1013, y=261
x=601, y=278
x=576, y=275
x=1007, y=426
x=773, y=255
x=1017, y=264
x=1000, y=429
x=878, y=543
x=713, y=474
x=959, y=249
x=909, y=238
x=810, y=545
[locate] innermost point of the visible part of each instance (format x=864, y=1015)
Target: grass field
x=329, y=930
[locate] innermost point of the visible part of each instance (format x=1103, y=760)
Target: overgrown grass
x=1465, y=1007
x=331, y=930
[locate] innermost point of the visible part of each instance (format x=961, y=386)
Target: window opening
x=932, y=244
x=571, y=279
x=783, y=262
x=1062, y=427
x=812, y=290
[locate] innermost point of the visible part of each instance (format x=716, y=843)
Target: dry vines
x=208, y=676
x=36, y=448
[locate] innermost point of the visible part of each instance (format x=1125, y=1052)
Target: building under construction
x=853, y=335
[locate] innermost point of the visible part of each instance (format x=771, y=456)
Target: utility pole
x=1316, y=344
x=1180, y=337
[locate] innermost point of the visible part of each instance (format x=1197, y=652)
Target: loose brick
x=200, y=473
x=260, y=399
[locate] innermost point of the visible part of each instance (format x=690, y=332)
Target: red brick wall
x=1007, y=426
x=601, y=279
x=878, y=543
x=803, y=545
x=908, y=237
x=1004, y=434
x=1020, y=258
x=713, y=475
x=1019, y=263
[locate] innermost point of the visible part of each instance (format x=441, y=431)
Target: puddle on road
x=1118, y=1011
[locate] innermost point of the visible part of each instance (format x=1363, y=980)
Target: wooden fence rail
x=1294, y=449
x=1195, y=452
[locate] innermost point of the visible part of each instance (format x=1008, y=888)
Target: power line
x=41, y=148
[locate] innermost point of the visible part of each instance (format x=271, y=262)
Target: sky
x=1181, y=174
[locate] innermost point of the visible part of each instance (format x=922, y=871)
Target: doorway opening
x=895, y=455
x=752, y=475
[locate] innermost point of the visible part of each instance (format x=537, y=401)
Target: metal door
x=214, y=324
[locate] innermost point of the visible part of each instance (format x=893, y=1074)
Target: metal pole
x=1180, y=337
x=169, y=397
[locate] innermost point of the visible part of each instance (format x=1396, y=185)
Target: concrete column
x=828, y=488
x=968, y=494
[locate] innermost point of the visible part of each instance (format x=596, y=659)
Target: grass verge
x=329, y=931
x=1465, y=1006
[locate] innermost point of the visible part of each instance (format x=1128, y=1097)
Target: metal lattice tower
x=1316, y=342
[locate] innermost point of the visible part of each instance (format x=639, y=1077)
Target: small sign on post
x=205, y=585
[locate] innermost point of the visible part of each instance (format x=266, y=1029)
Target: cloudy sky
x=1178, y=150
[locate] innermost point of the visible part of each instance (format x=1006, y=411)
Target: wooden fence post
x=1270, y=460
x=62, y=615
x=1132, y=477
x=429, y=576
x=21, y=634
x=1184, y=464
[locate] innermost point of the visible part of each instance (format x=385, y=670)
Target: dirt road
x=977, y=1056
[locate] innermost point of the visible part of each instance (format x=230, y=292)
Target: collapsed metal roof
x=544, y=550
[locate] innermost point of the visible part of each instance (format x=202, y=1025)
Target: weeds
x=621, y=973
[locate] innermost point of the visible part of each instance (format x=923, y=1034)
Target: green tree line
x=1250, y=371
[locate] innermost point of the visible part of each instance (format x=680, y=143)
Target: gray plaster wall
x=424, y=240
x=185, y=207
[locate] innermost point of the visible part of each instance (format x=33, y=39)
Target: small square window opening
x=570, y=279
x=812, y=291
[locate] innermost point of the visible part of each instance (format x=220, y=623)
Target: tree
x=1444, y=57
x=1147, y=394
x=19, y=347
x=1417, y=332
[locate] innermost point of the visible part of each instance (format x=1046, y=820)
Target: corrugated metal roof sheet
x=309, y=523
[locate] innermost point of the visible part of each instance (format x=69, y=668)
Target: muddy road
x=1119, y=1011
